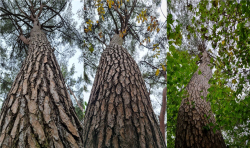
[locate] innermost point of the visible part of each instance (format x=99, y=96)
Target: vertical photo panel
x=208, y=74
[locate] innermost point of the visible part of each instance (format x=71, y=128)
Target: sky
x=76, y=5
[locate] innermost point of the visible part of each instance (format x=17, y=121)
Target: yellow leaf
x=97, y=22
x=109, y=3
x=163, y=67
x=223, y=42
x=234, y=81
x=148, y=28
x=157, y=72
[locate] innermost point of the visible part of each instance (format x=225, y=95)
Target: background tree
x=181, y=67
x=38, y=110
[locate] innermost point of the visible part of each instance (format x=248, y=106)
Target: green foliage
x=180, y=68
x=225, y=24
x=91, y=48
x=199, y=72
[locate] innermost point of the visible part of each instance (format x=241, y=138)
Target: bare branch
x=152, y=66
x=132, y=9
x=100, y=40
x=79, y=105
x=117, y=31
x=23, y=38
x=21, y=9
x=121, y=17
x=56, y=13
x=40, y=11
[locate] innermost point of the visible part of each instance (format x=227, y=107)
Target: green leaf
x=199, y=72
x=91, y=49
x=214, y=130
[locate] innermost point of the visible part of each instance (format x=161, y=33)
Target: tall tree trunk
x=119, y=113
x=163, y=108
x=192, y=123
x=38, y=111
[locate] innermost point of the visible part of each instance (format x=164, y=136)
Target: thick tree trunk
x=119, y=113
x=192, y=123
x=38, y=111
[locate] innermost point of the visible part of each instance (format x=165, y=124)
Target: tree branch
x=122, y=21
x=56, y=13
x=117, y=31
x=132, y=9
x=21, y=9
x=152, y=66
x=79, y=105
x=100, y=40
x=40, y=11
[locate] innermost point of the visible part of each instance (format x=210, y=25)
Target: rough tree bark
x=119, y=113
x=38, y=111
x=192, y=125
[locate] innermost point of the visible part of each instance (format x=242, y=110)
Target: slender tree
x=195, y=122
x=227, y=31
x=38, y=111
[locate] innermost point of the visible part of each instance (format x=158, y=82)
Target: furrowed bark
x=38, y=111
x=119, y=113
x=192, y=126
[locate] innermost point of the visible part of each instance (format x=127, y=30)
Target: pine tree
x=38, y=111
x=119, y=112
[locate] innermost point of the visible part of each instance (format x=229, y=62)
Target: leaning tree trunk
x=38, y=111
x=192, y=123
x=119, y=113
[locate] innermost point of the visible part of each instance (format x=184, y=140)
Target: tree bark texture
x=38, y=111
x=192, y=123
x=119, y=113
